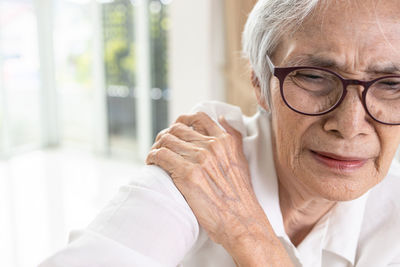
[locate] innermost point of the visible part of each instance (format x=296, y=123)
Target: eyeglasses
x=316, y=91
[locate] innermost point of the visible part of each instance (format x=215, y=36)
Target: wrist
x=259, y=249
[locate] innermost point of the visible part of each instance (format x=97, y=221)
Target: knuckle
x=149, y=158
x=161, y=141
x=176, y=127
x=161, y=152
x=212, y=139
x=158, y=136
x=161, y=133
x=203, y=117
x=201, y=114
x=212, y=145
x=182, y=117
x=155, y=155
x=215, y=144
x=166, y=138
x=203, y=155
x=226, y=137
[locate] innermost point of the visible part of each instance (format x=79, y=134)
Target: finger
x=202, y=123
x=171, y=162
x=229, y=129
x=201, y=156
x=214, y=158
x=185, y=175
x=186, y=133
x=173, y=143
x=161, y=133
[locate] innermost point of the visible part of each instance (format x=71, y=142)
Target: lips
x=339, y=162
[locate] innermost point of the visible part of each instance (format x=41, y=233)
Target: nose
x=349, y=119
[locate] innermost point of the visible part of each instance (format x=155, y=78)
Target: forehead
x=352, y=33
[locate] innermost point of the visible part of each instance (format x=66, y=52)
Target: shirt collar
x=344, y=226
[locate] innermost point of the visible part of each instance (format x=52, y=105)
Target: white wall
x=197, y=53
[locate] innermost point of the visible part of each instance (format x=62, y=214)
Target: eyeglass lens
x=383, y=100
x=313, y=91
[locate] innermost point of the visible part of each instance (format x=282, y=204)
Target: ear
x=260, y=98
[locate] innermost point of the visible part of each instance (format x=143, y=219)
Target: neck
x=300, y=212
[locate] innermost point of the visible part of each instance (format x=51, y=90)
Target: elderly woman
x=307, y=181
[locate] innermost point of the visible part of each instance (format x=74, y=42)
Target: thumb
x=229, y=129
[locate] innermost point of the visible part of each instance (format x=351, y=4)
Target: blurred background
x=85, y=86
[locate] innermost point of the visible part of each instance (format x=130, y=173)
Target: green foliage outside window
x=119, y=47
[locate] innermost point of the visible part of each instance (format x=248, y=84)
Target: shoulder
x=150, y=195
x=152, y=187
x=216, y=108
x=148, y=210
x=233, y=114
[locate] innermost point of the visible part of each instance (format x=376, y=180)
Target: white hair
x=267, y=22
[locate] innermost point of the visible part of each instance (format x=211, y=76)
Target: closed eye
x=389, y=85
x=310, y=76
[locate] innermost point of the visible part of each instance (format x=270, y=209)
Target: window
x=73, y=55
x=73, y=73
x=108, y=60
x=20, y=123
x=120, y=63
x=123, y=37
x=159, y=26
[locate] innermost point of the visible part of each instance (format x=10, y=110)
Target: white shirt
x=150, y=224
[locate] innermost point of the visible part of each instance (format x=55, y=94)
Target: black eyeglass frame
x=282, y=72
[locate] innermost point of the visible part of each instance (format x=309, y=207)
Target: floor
x=46, y=194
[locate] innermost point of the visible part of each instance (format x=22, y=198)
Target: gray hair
x=267, y=22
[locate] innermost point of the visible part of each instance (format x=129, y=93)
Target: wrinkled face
x=342, y=154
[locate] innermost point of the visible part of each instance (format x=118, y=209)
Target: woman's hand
x=208, y=166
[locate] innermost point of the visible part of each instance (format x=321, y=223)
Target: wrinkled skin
x=209, y=168
x=361, y=39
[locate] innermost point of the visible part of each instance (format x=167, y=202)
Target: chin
x=341, y=188
x=342, y=195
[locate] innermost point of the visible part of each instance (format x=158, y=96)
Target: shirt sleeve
x=148, y=223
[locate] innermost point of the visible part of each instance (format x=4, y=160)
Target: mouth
x=339, y=162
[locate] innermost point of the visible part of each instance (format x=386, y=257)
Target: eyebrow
x=386, y=68
x=325, y=62
x=312, y=60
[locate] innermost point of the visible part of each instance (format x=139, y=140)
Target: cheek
x=389, y=137
x=289, y=128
